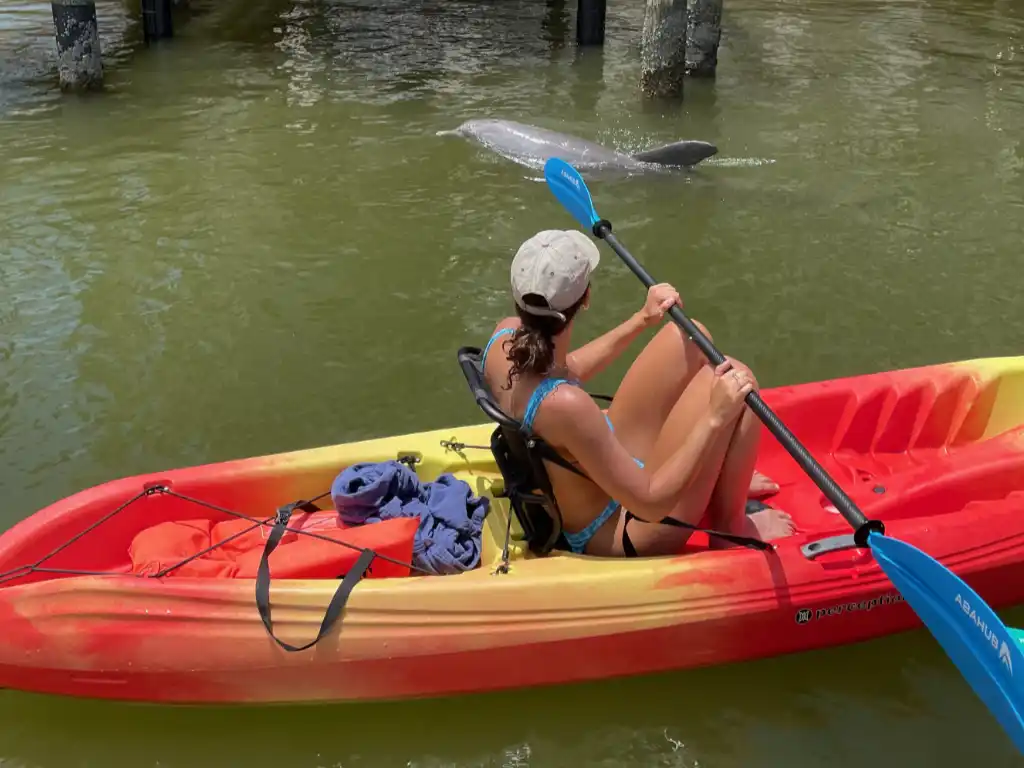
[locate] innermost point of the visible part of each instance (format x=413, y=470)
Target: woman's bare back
x=579, y=499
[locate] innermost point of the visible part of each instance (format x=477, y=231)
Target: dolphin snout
x=459, y=130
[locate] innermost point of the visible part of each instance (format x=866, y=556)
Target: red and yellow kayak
x=936, y=452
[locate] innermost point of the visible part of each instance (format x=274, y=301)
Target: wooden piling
x=663, y=48
x=79, y=59
x=703, y=33
x=556, y=23
x=590, y=16
x=156, y=19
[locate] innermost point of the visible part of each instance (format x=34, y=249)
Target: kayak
x=163, y=587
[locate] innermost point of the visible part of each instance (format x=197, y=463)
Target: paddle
x=965, y=626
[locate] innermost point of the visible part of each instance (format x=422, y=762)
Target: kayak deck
x=937, y=453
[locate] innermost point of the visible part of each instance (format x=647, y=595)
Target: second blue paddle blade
x=568, y=186
x=1018, y=635
x=969, y=631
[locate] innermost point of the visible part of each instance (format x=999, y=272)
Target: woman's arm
x=595, y=356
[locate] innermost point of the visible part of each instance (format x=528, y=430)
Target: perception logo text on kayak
x=806, y=615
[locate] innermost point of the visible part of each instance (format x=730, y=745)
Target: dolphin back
x=683, y=153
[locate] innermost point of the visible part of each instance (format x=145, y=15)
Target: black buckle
x=284, y=514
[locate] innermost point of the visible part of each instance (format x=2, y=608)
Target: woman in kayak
x=677, y=440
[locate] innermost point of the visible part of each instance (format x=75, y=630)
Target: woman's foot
x=761, y=486
x=766, y=524
x=769, y=524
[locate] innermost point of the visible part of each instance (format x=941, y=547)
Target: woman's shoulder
x=568, y=409
x=501, y=334
x=510, y=323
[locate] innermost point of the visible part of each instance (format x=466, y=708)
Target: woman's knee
x=687, y=338
x=684, y=341
x=703, y=329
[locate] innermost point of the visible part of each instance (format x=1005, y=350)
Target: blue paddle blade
x=570, y=189
x=1018, y=635
x=989, y=657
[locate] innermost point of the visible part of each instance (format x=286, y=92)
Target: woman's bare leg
x=658, y=539
x=652, y=386
x=726, y=507
x=721, y=488
x=651, y=389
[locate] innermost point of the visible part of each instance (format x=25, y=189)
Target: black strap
x=549, y=453
x=341, y=594
x=305, y=506
x=630, y=551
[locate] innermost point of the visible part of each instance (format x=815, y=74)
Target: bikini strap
x=502, y=332
x=545, y=388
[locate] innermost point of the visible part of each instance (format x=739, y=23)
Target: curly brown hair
x=532, y=348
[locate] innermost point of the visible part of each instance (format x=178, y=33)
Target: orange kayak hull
x=935, y=452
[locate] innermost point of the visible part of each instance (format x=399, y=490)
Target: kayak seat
x=520, y=459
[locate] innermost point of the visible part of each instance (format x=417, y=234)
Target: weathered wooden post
x=79, y=60
x=156, y=19
x=556, y=22
x=663, y=48
x=590, y=21
x=703, y=33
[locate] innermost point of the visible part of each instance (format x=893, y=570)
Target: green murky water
x=254, y=242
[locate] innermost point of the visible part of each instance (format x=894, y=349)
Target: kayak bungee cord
x=267, y=522
x=278, y=524
x=966, y=627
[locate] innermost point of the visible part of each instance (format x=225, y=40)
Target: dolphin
x=531, y=146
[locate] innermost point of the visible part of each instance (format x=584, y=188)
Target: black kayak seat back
x=520, y=459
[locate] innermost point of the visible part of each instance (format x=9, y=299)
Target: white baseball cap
x=555, y=264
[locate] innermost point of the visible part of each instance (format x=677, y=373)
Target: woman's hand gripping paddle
x=980, y=645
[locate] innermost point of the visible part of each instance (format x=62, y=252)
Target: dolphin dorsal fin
x=678, y=153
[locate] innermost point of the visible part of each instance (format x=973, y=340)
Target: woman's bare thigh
x=652, y=386
x=692, y=504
